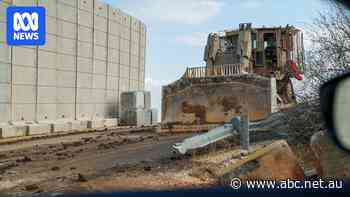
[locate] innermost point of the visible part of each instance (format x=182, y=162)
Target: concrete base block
x=113, y=122
x=79, y=125
x=61, y=126
x=95, y=124
x=8, y=131
x=39, y=128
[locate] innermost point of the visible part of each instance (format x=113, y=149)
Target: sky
x=177, y=29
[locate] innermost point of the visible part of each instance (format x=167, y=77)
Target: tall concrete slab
x=80, y=71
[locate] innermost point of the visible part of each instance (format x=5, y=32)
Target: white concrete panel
x=99, y=81
x=66, y=29
x=135, y=49
x=84, y=49
x=124, y=45
x=85, y=34
x=142, y=76
x=113, y=56
x=23, y=75
x=84, y=80
x=5, y=53
x=126, y=20
x=66, y=46
x=65, y=79
x=5, y=93
x=24, y=2
x=113, y=13
x=24, y=112
x=50, y=6
x=51, y=43
x=134, y=61
x=101, y=9
x=142, y=52
x=47, y=95
x=142, y=63
x=5, y=112
x=113, y=69
x=134, y=74
x=99, y=95
x=100, y=23
x=72, y=3
x=124, y=71
x=86, y=5
x=135, y=24
x=24, y=56
x=113, y=42
x=113, y=28
x=124, y=59
x=65, y=111
x=24, y=94
x=5, y=73
x=85, y=111
x=84, y=95
x=65, y=95
x=100, y=114
x=124, y=32
x=66, y=62
x=85, y=18
x=100, y=38
x=85, y=65
x=47, y=77
x=51, y=25
x=112, y=83
x=111, y=97
x=135, y=36
x=100, y=67
x=47, y=59
x=100, y=53
x=3, y=32
x=124, y=84
x=66, y=12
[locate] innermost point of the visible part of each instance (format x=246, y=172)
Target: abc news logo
x=26, y=26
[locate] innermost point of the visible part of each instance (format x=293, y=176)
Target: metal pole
x=244, y=131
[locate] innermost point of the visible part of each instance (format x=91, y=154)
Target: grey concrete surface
x=93, y=52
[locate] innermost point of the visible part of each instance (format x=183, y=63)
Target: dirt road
x=60, y=164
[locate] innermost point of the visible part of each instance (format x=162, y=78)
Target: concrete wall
x=93, y=52
x=215, y=100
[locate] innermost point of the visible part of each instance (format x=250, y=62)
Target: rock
x=273, y=162
x=31, y=187
x=331, y=161
x=81, y=178
x=55, y=168
x=147, y=168
x=6, y=165
x=24, y=159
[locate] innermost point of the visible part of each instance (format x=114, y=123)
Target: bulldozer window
x=270, y=49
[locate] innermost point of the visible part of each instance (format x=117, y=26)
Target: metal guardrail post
x=244, y=132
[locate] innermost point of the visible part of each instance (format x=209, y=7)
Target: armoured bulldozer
x=247, y=70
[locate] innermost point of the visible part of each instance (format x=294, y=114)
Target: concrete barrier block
x=61, y=126
x=79, y=125
x=39, y=128
x=8, y=131
x=112, y=122
x=95, y=124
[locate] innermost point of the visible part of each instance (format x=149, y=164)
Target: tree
x=330, y=52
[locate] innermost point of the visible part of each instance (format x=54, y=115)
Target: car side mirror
x=335, y=105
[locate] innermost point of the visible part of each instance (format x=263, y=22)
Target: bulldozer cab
x=266, y=51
